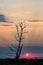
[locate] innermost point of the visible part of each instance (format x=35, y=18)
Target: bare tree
x=20, y=31
x=20, y=28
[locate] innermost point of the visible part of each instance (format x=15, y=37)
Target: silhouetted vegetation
x=21, y=62
x=20, y=29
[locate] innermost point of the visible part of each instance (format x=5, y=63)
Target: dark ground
x=21, y=62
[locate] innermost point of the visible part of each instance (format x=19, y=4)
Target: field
x=21, y=62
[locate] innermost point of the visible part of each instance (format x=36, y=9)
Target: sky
x=31, y=13
x=29, y=9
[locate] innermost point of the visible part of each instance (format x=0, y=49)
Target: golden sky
x=33, y=37
x=14, y=11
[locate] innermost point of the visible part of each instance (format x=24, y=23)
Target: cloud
x=5, y=25
x=35, y=20
x=34, y=49
x=3, y=18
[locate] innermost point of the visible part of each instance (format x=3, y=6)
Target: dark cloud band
x=3, y=18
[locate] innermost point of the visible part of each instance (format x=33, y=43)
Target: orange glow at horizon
x=31, y=55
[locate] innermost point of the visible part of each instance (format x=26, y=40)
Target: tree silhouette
x=20, y=31
x=20, y=28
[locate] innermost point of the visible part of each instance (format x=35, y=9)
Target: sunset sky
x=26, y=9
x=31, y=12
